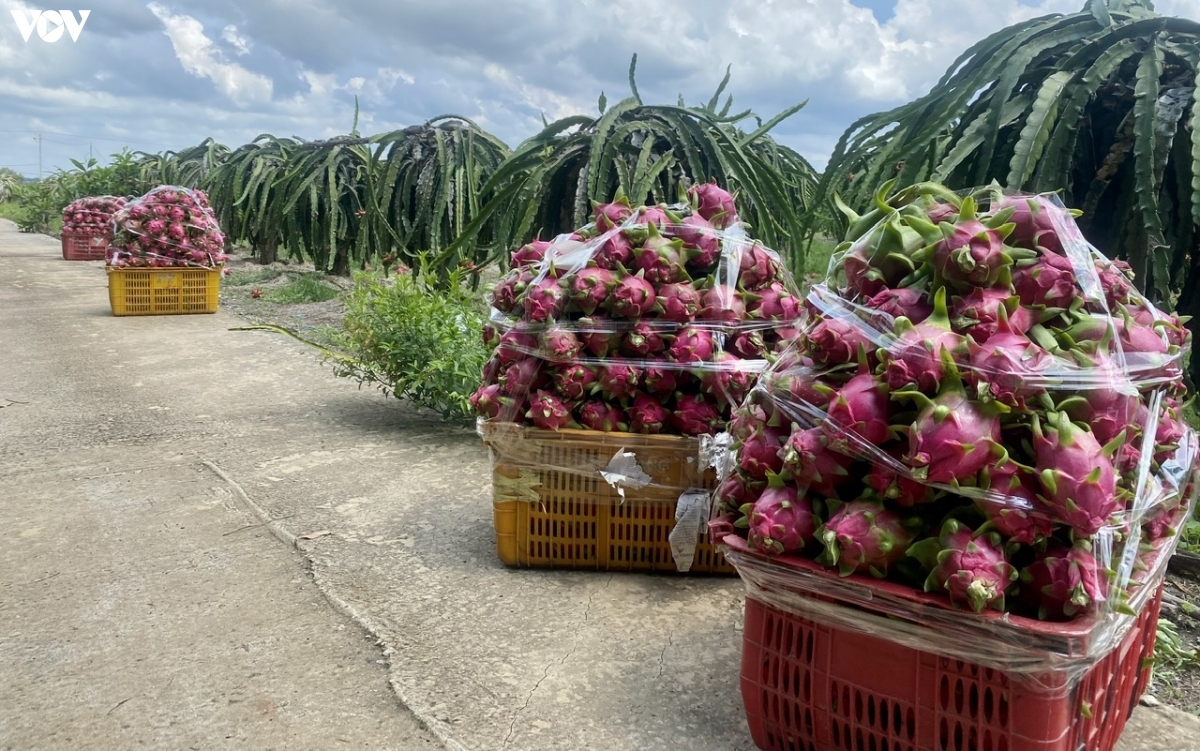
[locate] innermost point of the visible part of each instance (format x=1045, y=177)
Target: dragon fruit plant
x=169, y=226
x=975, y=404
x=92, y=214
x=650, y=319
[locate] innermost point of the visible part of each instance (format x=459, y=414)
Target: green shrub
x=305, y=288
x=415, y=341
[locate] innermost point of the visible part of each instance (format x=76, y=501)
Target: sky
x=167, y=74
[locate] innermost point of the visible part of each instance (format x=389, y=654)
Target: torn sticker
x=623, y=471
x=690, y=513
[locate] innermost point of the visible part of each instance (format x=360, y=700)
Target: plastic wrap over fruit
x=654, y=319
x=92, y=214
x=169, y=226
x=980, y=408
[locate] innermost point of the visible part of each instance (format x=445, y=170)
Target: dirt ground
x=1180, y=686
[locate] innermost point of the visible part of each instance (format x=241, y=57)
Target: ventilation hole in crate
x=972, y=739
x=944, y=735
x=808, y=721
x=944, y=691
x=989, y=704
x=806, y=687
x=884, y=714
x=910, y=723
x=1002, y=709
x=1001, y=743
x=809, y=645
x=858, y=706
x=835, y=734
x=959, y=691
x=859, y=745
x=835, y=699
x=973, y=700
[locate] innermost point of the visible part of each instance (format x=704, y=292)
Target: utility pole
x=39, y=140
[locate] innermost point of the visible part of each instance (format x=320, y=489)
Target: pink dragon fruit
x=560, y=344
x=545, y=300
x=971, y=568
x=700, y=240
x=857, y=414
x=516, y=345
x=549, y=412
x=726, y=380
x=611, y=215
x=721, y=304
x=714, y=204
x=909, y=302
x=1116, y=279
x=486, y=401
x=757, y=268
x=695, y=415
x=1020, y=516
x=1006, y=368
x=491, y=371
x=773, y=303
x=1033, y=227
x=599, y=335
x=617, y=380
x=864, y=537
x=953, y=437
x=602, y=416
x=1049, y=282
x=632, y=297
x=647, y=415
x=806, y=456
x=977, y=314
x=678, y=302
x=643, y=340
x=1168, y=434
x=749, y=344
x=973, y=253
x=522, y=377
x=916, y=357
x=660, y=380
x=759, y=453
x=573, y=380
x=897, y=487
x=1064, y=582
x=530, y=254
x=736, y=491
x=781, y=520
x=654, y=217
x=1077, y=474
x=661, y=259
x=591, y=287
x=615, y=252
x=835, y=340
x=692, y=344
x=751, y=417
x=1107, y=409
x=938, y=212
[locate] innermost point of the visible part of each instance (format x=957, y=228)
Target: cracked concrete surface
x=162, y=460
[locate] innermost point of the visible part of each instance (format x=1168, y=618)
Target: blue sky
x=167, y=74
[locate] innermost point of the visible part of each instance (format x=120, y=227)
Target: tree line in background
x=1099, y=105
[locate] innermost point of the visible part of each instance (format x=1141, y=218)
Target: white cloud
x=200, y=57
x=240, y=44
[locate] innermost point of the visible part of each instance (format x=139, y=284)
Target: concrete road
x=211, y=542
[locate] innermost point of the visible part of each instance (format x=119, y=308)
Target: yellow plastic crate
x=553, y=509
x=163, y=291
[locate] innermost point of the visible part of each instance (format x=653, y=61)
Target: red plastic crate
x=85, y=246
x=812, y=686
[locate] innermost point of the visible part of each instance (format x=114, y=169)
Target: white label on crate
x=623, y=471
x=690, y=512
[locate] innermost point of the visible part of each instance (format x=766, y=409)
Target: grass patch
x=242, y=278
x=819, y=252
x=306, y=288
x=9, y=210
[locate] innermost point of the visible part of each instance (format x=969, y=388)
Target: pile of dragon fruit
x=651, y=319
x=92, y=214
x=977, y=404
x=169, y=226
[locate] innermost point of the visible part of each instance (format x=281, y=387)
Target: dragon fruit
x=516, y=345
x=678, y=302
x=897, y=487
x=1020, y=515
x=806, y=456
x=522, y=377
x=757, y=268
x=977, y=315
x=573, y=381
x=660, y=380
x=611, y=215
x=1049, y=282
x=971, y=568
x=1077, y=473
x=615, y=252
x=1116, y=279
x=647, y=415
x=617, y=380
x=1033, y=226
x=781, y=520
x=736, y=491
x=545, y=300
x=632, y=297
x=864, y=537
x=548, y=411
x=714, y=204
x=749, y=344
x=916, y=356
x=643, y=340
x=759, y=454
x=486, y=401
x=698, y=237
x=591, y=287
x=695, y=415
x=1107, y=407
x=773, y=303
x=1007, y=366
x=598, y=415
x=971, y=252
x=530, y=254
x=861, y=409
x=661, y=259
x=599, y=335
x=725, y=379
x=1064, y=582
x=654, y=217
x=909, y=302
x=692, y=344
x=721, y=304
x=560, y=344
x=836, y=340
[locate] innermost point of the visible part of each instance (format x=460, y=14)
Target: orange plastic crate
x=163, y=291
x=552, y=509
x=85, y=246
x=809, y=685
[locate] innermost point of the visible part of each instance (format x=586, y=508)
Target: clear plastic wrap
x=977, y=429
x=91, y=215
x=169, y=226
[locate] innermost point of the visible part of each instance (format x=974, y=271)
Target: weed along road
x=212, y=542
